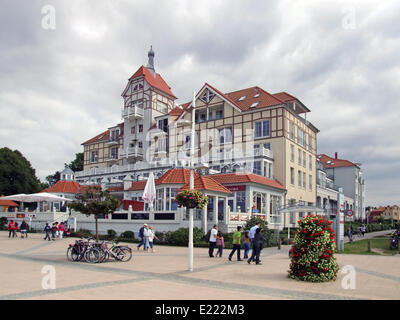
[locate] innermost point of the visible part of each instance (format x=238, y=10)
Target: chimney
x=127, y=182
x=336, y=155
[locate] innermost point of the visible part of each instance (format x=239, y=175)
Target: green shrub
x=180, y=237
x=127, y=235
x=3, y=221
x=111, y=233
x=264, y=226
x=82, y=233
x=161, y=237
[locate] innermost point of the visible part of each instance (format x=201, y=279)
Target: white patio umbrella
x=149, y=194
x=15, y=197
x=35, y=197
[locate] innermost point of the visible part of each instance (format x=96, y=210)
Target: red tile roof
x=264, y=99
x=100, y=137
x=68, y=187
x=156, y=82
x=8, y=203
x=172, y=176
x=334, y=163
x=64, y=187
x=138, y=185
x=230, y=178
x=116, y=189
x=176, y=176
x=283, y=96
x=206, y=183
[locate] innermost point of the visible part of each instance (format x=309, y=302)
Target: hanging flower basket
x=191, y=199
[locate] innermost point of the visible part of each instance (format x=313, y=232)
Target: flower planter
x=191, y=199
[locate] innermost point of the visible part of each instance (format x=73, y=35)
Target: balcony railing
x=263, y=152
x=132, y=113
x=131, y=152
x=113, y=140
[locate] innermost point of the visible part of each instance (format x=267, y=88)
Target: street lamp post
x=191, y=184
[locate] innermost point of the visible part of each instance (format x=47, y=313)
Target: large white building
x=347, y=175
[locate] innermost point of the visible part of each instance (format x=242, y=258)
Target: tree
x=77, y=164
x=95, y=202
x=263, y=225
x=52, y=179
x=312, y=251
x=17, y=174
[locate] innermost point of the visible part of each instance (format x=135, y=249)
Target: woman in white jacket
x=150, y=239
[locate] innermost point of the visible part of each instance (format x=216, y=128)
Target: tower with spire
x=150, y=63
x=147, y=101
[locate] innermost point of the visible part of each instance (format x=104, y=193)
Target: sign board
x=349, y=213
x=236, y=188
x=20, y=215
x=72, y=223
x=234, y=217
x=262, y=216
x=10, y=215
x=255, y=210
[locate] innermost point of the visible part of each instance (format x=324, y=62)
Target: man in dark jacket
x=24, y=229
x=47, y=229
x=258, y=244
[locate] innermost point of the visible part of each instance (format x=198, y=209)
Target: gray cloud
x=61, y=87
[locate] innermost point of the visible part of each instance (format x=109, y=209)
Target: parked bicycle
x=103, y=252
x=97, y=252
x=76, y=251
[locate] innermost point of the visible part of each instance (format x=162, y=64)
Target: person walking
x=16, y=229
x=47, y=229
x=142, y=238
x=24, y=229
x=150, y=238
x=363, y=230
x=253, y=232
x=54, y=230
x=236, y=241
x=258, y=244
x=212, y=240
x=61, y=230
x=246, y=240
x=11, y=229
x=350, y=233
x=220, y=244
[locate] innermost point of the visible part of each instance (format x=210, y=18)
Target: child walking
x=246, y=240
x=220, y=244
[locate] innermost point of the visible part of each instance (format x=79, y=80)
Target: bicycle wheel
x=75, y=255
x=69, y=254
x=103, y=255
x=92, y=255
x=124, y=254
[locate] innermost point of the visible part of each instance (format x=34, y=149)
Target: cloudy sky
x=62, y=75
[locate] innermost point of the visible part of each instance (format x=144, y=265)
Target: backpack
x=141, y=232
x=207, y=236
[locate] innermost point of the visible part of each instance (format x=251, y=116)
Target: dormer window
x=242, y=98
x=207, y=96
x=256, y=96
x=255, y=104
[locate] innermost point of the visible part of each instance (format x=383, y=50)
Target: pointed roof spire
x=150, y=63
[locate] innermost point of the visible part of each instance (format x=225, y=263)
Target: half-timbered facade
x=248, y=130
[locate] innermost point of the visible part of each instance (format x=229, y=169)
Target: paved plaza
x=163, y=275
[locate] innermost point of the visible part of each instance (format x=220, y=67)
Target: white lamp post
x=191, y=184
